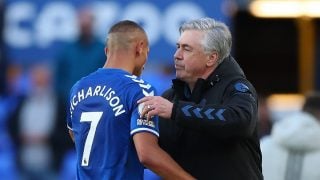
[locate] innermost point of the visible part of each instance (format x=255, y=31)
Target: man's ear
x=106, y=51
x=139, y=48
x=212, y=59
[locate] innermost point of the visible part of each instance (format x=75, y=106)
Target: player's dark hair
x=125, y=26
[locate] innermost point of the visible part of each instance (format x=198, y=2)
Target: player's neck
x=120, y=62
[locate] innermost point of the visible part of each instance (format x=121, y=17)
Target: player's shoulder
x=140, y=85
x=137, y=81
x=134, y=79
x=84, y=81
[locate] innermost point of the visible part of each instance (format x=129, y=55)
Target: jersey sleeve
x=69, y=124
x=143, y=124
x=69, y=111
x=139, y=90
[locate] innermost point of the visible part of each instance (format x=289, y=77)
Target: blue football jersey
x=103, y=116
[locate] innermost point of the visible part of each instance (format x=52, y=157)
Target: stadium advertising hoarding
x=35, y=30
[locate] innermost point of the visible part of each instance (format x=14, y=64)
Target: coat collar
x=229, y=67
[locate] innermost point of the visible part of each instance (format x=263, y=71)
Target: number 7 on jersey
x=94, y=118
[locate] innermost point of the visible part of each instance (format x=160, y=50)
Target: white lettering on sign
x=53, y=25
x=28, y=26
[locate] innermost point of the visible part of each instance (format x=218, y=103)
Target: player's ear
x=106, y=51
x=212, y=59
x=139, y=47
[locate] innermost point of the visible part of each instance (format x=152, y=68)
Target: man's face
x=189, y=58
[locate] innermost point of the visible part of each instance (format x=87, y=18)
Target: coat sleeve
x=234, y=117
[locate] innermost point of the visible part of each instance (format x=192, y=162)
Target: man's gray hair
x=217, y=35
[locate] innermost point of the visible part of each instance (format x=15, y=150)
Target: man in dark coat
x=208, y=119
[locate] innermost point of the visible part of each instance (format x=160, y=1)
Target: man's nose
x=177, y=54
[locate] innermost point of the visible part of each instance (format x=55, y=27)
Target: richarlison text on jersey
x=107, y=93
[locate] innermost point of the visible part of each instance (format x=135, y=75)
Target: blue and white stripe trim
x=144, y=129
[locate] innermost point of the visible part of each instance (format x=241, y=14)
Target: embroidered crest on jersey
x=241, y=87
